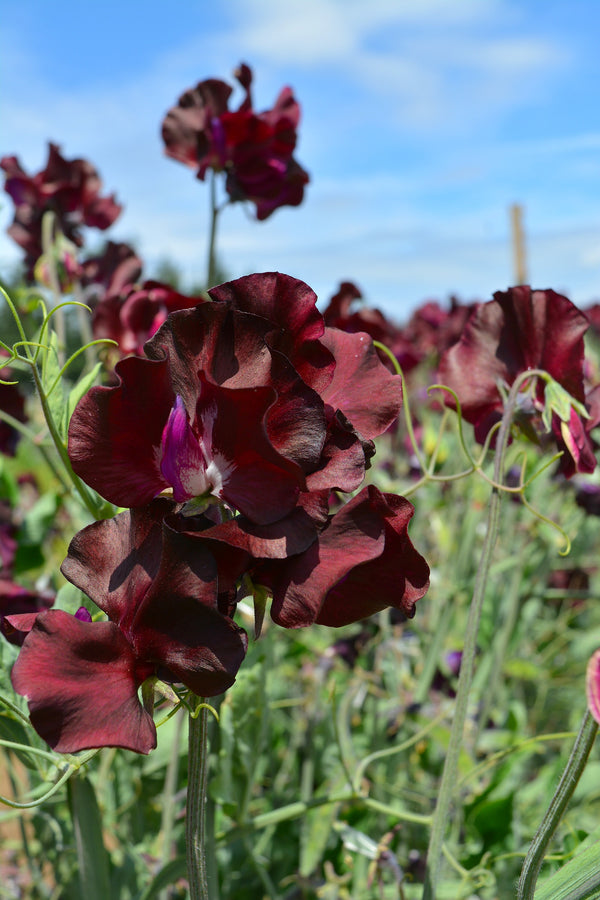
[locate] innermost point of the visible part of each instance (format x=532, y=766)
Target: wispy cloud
x=408, y=109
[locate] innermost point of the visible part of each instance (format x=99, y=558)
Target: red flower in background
x=429, y=331
x=521, y=329
x=17, y=600
x=160, y=591
x=109, y=273
x=255, y=150
x=69, y=188
x=131, y=314
x=13, y=403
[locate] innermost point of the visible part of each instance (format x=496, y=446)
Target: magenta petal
x=593, y=685
x=182, y=460
x=81, y=684
x=115, y=433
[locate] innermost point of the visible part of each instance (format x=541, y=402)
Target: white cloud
x=403, y=229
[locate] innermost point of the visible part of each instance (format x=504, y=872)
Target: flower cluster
x=254, y=150
x=68, y=188
x=519, y=330
x=228, y=442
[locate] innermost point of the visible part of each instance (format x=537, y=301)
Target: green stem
x=449, y=780
x=568, y=782
x=168, y=795
x=196, y=802
x=48, y=241
x=90, y=505
x=214, y=215
x=85, y=327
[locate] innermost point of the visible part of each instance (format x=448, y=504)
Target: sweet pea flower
x=523, y=329
x=68, y=188
x=248, y=400
x=362, y=562
x=254, y=150
x=110, y=272
x=15, y=599
x=160, y=590
x=131, y=314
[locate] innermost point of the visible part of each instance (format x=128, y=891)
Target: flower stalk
x=449, y=775
x=568, y=782
x=196, y=802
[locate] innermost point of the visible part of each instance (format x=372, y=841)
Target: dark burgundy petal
x=81, y=681
x=362, y=388
x=228, y=346
x=343, y=460
x=398, y=578
x=186, y=129
x=518, y=330
x=200, y=647
x=115, y=561
x=20, y=604
x=288, y=536
x=363, y=562
x=300, y=584
x=252, y=476
x=160, y=587
x=289, y=305
x=115, y=433
x=231, y=558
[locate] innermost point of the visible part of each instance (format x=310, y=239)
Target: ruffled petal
x=81, y=681
x=115, y=433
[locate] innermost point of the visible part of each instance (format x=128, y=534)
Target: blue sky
x=423, y=120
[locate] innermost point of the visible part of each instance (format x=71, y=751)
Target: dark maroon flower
x=16, y=600
x=159, y=589
x=255, y=150
x=68, y=188
x=8, y=542
x=518, y=330
x=343, y=312
x=431, y=329
x=13, y=403
x=248, y=399
x=131, y=315
x=117, y=267
x=362, y=562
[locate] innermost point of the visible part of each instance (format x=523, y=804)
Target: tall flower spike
x=254, y=150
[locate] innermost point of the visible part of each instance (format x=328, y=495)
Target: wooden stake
x=518, y=243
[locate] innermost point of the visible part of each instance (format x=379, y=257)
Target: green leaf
x=558, y=400
x=167, y=876
x=81, y=388
x=53, y=386
x=12, y=730
x=94, y=863
x=579, y=879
